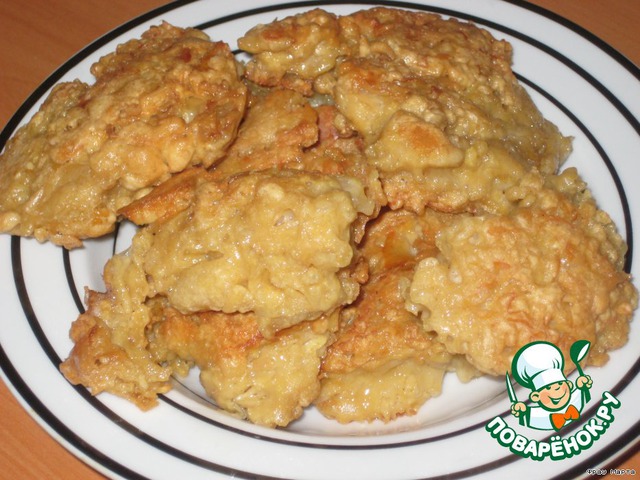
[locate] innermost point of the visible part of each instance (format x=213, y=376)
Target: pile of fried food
x=366, y=203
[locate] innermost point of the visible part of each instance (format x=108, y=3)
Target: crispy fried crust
x=294, y=51
x=278, y=127
x=267, y=381
x=501, y=282
x=442, y=114
x=383, y=364
x=388, y=210
x=400, y=239
x=110, y=350
x=169, y=100
x=167, y=199
x=282, y=131
x=237, y=247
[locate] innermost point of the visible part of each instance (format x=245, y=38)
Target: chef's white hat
x=537, y=365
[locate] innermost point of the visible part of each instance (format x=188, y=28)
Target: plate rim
x=13, y=379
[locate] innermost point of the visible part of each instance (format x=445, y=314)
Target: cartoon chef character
x=539, y=366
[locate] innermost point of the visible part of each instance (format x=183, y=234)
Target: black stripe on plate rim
x=97, y=456
x=155, y=13
x=68, y=270
x=46, y=415
x=25, y=391
x=616, y=390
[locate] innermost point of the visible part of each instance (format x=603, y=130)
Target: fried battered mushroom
x=279, y=243
x=294, y=51
x=383, y=364
x=276, y=243
x=274, y=247
x=267, y=381
x=436, y=101
x=283, y=131
x=159, y=104
x=110, y=352
x=500, y=282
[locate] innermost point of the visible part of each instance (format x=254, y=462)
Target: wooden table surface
x=36, y=36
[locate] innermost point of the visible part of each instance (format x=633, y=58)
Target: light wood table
x=36, y=36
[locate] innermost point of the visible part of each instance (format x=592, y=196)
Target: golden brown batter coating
x=445, y=120
x=278, y=127
x=159, y=104
x=167, y=199
x=294, y=51
x=383, y=364
x=235, y=248
x=388, y=210
x=283, y=131
x=110, y=350
x=501, y=282
x=277, y=243
x=267, y=381
x=400, y=239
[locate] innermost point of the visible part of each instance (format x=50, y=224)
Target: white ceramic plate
x=587, y=89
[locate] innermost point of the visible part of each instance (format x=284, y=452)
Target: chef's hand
x=584, y=382
x=518, y=409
